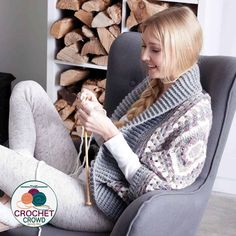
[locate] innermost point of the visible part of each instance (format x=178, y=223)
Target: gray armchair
x=165, y=213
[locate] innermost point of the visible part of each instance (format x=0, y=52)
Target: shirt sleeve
x=126, y=159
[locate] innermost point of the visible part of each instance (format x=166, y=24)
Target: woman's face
x=151, y=54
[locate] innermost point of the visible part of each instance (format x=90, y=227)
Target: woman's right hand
x=87, y=95
x=94, y=104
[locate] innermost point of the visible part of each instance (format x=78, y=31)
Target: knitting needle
x=88, y=198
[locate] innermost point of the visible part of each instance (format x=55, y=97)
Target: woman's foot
x=7, y=220
x=3, y=227
x=4, y=199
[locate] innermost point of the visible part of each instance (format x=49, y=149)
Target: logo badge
x=34, y=203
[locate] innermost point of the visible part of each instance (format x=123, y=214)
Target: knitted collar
x=186, y=86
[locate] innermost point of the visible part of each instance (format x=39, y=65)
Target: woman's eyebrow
x=156, y=44
x=151, y=43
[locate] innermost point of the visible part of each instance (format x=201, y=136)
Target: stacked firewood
x=72, y=82
x=99, y=25
x=140, y=10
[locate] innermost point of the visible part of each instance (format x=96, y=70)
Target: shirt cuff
x=126, y=159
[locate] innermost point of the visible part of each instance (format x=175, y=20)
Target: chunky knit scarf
x=104, y=170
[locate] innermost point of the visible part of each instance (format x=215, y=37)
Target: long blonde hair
x=180, y=35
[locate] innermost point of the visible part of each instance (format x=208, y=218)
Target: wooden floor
x=220, y=216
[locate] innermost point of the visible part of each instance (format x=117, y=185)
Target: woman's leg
x=15, y=169
x=36, y=129
x=72, y=213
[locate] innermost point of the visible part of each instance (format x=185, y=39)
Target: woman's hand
x=87, y=95
x=94, y=119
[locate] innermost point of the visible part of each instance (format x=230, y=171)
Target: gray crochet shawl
x=104, y=169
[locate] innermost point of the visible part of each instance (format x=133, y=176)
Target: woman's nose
x=145, y=55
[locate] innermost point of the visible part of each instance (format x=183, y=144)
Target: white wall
x=23, y=39
x=226, y=178
x=218, y=20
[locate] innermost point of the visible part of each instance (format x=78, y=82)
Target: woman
x=155, y=139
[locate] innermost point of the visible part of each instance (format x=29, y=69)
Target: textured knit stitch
x=170, y=139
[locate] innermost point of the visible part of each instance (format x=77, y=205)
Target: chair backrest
x=125, y=71
x=218, y=79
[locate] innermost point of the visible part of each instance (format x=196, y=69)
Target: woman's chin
x=153, y=75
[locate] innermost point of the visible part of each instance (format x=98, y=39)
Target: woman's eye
x=156, y=50
x=143, y=46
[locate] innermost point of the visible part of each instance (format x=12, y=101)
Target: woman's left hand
x=95, y=120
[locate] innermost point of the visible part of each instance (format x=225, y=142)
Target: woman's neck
x=166, y=86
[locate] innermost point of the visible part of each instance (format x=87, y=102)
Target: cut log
x=114, y=12
x=84, y=16
x=93, y=47
x=152, y=8
x=101, y=98
x=73, y=37
x=72, y=76
x=69, y=4
x=96, y=5
x=87, y=32
x=60, y=104
x=115, y=30
x=100, y=60
x=61, y=27
x=64, y=113
x=68, y=96
x=102, y=83
x=77, y=120
x=71, y=54
x=102, y=20
x=142, y=9
x=91, y=81
x=106, y=38
x=69, y=124
x=131, y=21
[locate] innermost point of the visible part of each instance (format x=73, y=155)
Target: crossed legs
x=41, y=148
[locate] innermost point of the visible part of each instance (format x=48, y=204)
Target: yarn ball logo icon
x=34, y=203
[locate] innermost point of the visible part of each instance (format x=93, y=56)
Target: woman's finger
x=88, y=94
x=82, y=114
x=87, y=107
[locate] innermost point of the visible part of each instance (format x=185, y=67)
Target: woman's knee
x=26, y=87
x=22, y=85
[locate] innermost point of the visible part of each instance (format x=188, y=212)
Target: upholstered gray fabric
x=166, y=213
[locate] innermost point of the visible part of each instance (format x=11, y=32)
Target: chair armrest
x=162, y=213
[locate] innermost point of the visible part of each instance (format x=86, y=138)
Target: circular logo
x=34, y=203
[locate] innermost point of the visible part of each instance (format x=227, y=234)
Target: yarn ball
x=39, y=199
x=33, y=191
x=27, y=198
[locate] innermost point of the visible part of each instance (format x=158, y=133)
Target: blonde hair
x=180, y=36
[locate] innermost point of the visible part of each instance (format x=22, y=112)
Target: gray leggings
x=40, y=146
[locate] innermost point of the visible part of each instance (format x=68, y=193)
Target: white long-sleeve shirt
x=126, y=159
